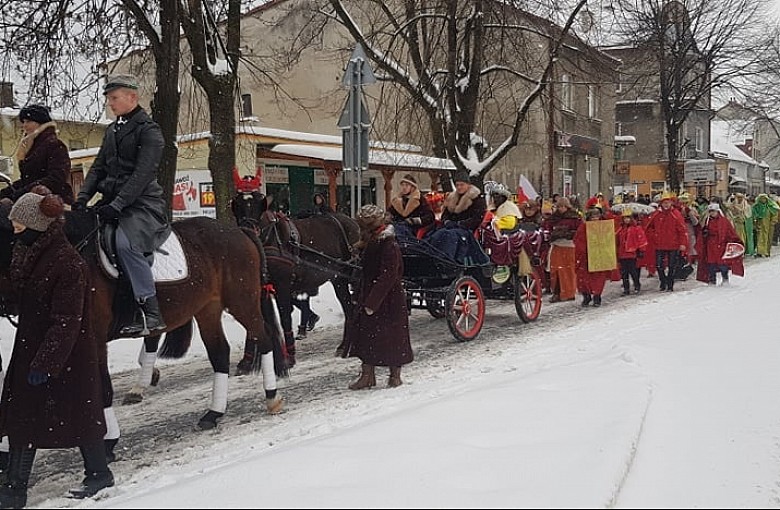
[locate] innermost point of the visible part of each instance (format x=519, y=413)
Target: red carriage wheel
x=528, y=296
x=465, y=308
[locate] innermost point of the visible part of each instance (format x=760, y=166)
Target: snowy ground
x=656, y=400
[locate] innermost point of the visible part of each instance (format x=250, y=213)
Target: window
x=618, y=129
x=76, y=144
x=658, y=185
x=567, y=93
x=593, y=102
x=699, y=139
x=246, y=105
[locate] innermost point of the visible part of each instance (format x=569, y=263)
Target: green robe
x=765, y=215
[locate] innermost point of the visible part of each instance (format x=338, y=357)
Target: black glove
x=79, y=205
x=36, y=377
x=108, y=213
x=640, y=254
x=705, y=232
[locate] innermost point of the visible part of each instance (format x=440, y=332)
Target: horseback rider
x=125, y=173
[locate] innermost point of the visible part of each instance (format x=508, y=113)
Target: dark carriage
x=457, y=292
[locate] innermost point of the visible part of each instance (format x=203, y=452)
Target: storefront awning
x=376, y=158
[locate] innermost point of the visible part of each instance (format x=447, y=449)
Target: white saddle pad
x=170, y=262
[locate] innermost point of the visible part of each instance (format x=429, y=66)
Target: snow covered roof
x=301, y=136
x=722, y=143
x=56, y=116
x=379, y=157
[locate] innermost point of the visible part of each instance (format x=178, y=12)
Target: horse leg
x=218, y=349
x=284, y=301
x=112, y=425
x=148, y=374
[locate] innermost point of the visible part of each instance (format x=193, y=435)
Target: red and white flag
x=525, y=190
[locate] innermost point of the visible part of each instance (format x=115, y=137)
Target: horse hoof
x=132, y=397
x=155, y=377
x=209, y=420
x=244, y=367
x=274, y=405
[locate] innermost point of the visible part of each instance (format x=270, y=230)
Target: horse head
x=247, y=207
x=273, y=228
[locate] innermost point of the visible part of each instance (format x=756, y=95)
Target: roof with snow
x=376, y=157
x=55, y=116
x=722, y=143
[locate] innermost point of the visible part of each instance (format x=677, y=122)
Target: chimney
x=6, y=94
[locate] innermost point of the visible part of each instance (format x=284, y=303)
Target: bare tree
x=462, y=61
x=215, y=69
x=696, y=47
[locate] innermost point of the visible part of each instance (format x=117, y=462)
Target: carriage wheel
x=465, y=308
x=528, y=296
x=436, y=307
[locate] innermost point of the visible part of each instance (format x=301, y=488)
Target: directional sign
x=358, y=66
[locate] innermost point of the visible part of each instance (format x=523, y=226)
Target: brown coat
x=380, y=339
x=50, y=282
x=45, y=161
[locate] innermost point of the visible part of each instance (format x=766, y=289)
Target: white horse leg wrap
x=112, y=426
x=148, y=360
x=267, y=366
x=4, y=442
x=219, y=392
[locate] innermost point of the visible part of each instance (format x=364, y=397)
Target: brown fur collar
x=456, y=203
x=414, y=202
x=26, y=143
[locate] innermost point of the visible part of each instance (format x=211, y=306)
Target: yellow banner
x=602, y=254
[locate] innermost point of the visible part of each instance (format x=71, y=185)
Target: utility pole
x=355, y=124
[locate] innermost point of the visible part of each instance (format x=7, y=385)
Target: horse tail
x=269, y=316
x=177, y=342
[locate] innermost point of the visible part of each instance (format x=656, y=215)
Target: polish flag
x=525, y=191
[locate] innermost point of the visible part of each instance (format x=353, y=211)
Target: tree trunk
x=222, y=144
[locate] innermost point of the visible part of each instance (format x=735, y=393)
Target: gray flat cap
x=120, y=81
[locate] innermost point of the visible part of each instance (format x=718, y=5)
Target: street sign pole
x=355, y=124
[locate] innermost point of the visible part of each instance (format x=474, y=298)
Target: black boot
x=586, y=299
x=13, y=493
x=147, y=321
x=289, y=344
x=98, y=476
x=301, y=332
x=626, y=290
x=313, y=320
x=596, y=300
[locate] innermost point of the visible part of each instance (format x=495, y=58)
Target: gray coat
x=125, y=173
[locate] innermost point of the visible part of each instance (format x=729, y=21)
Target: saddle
x=169, y=262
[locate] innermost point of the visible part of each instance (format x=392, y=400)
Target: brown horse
x=302, y=255
x=224, y=274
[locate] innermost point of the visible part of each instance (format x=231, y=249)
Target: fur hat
x=461, y=176
x=35, y=211
x=409, y=179
x=502, y=191
x=35, y=113
x=371, y=216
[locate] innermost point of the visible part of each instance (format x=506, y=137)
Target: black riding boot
x=98, y=476
x=13, y=493
x=147, y=320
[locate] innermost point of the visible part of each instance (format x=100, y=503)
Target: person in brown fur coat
x=410, y=212
x=43, y=158
x=378, y=334
x=52, y=394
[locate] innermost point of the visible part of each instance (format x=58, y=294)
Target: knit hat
x=409, y=179
x=35, y=113
x=371, y=216
x=120, y=81
x=35, y=211
x=713, y=207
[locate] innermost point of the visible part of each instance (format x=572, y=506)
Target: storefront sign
x=276, y=175
x=578, y=144
x=193, y=194
x=699, y=171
